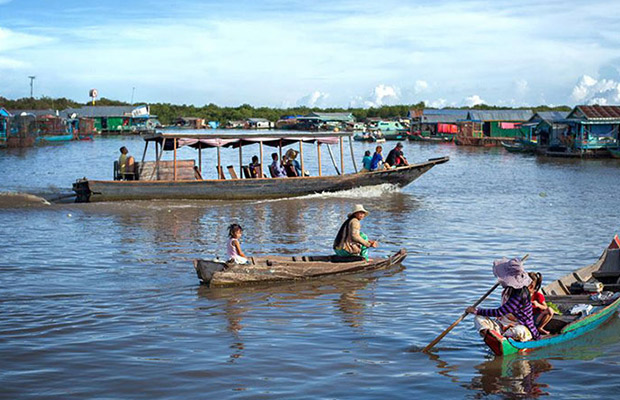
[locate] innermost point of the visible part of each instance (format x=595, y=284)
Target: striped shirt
x=518, y=306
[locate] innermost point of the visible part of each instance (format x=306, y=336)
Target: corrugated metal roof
x=445, y=111
x=599, y=112
x=549, y=116
x=499, y=115
x=36, y=113
x=101, y=111
x=442, y=118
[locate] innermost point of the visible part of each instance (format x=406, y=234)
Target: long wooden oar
x=462, y=317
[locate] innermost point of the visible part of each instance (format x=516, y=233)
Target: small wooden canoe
x=278, y=268
x=566, y=327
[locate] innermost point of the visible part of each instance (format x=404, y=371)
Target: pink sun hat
x=511, y=273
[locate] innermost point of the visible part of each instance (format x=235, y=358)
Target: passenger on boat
x=276, y=168
x=126, y=164
x=542, y=312
x=291, y=160
x=254, y=167
x=366, y=161
x=377, y=159
x=516, y=301
x=233, y=247
x=350, y=241
x=395, y=157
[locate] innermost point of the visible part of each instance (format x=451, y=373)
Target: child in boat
x=542, y=312
x=516, y=301
x=377, y=159
x=233, y=247
x=366, y=161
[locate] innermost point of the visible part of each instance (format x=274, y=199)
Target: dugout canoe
x=565, y=328
x=267, y=269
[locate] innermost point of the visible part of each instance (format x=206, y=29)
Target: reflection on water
x=103, y=298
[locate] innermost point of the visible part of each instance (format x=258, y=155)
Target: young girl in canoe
x=516, y=301
x=542, y=312
x=233, y=247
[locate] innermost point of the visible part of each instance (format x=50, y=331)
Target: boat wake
x=21, y=200
x=367, y=192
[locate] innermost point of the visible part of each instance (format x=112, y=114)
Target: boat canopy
x=203, y=141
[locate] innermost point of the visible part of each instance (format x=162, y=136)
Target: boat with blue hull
x=563, y=293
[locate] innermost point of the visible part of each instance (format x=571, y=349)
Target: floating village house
x=17, y=130
x=432, y=122
x=4, y=126
x=491, y=127
x=118, y=119
x=325, y=120
x=259, y=123
x=543, y=126
x=591, y=131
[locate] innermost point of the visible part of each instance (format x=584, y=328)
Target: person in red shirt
x=542, y=312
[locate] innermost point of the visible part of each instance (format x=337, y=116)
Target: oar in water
x=462, y=317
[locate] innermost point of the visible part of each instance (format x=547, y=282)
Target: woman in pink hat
x=516, y=302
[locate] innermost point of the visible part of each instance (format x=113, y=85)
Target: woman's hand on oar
x=462, y=317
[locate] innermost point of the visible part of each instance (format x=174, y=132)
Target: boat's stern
x=82, y=191
x=498, y=344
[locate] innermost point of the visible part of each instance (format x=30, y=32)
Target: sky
x=314, y=53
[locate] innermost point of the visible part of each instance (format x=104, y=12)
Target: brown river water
x=100, y=301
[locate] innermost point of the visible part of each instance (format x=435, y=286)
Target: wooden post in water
x=341, y=156
x=352, y=155
x=175, y=158
x=260, y=145
x=301, y=156
x=318, y=151
x=219, y=164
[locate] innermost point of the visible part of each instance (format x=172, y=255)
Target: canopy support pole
x=200, y=158
x=146, y=146
x=280, y=147
x=161, y=151
x=352, y=155
x=301, y=156
x=240, y=161
x=331, y=155
x=341, y=156
x=262, y=175
x=219, y=164
x=175, y=158
x=318, y=153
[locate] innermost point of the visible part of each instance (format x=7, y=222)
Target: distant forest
x=167, y=113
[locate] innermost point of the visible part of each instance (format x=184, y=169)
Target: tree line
x=167, y=113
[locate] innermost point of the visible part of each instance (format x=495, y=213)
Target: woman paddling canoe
x=516, y=301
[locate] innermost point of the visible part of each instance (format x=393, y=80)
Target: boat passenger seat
x=220, y=172
x=231, y=171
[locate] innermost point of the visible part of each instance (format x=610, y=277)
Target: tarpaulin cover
x=447, y=128
x=235, y=143
x=509, y=125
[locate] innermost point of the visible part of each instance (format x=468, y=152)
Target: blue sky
x=317, y=53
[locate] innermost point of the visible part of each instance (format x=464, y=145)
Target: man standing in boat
x=350, y=241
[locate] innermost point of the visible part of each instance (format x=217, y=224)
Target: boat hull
x=276, y=269
x=245, y=189
x=614, y=153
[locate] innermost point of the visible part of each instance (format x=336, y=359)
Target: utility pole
x=133, y=90
x=31, y=85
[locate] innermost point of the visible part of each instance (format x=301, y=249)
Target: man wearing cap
x=349, y=240
x=395, y=157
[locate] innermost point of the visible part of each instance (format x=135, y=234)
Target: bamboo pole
x=352, y=155
x=240, y=161
x=301, y=156
x=318, y=151
x=331, y=155
x=200, y=158
x=341, y=156
x=175, y=159
x=262, y=175
x=219, y=164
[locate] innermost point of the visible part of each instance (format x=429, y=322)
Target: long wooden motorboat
x=279, y=268
x=566, y=327
x=177, y=180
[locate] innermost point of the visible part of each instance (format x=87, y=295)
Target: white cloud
x=592, y=91
x=522, y=87
x=314, y=99
x=382, y=95
x=473, y=101
x=420, y=86
x=439, y=103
